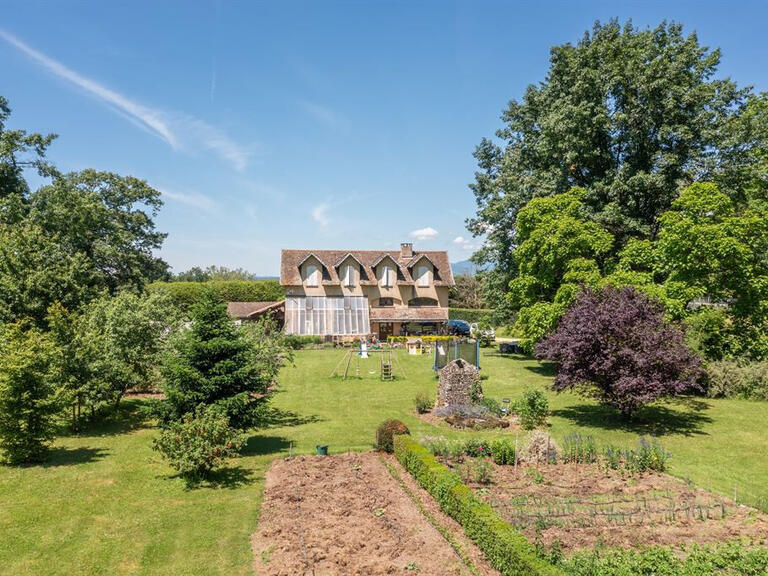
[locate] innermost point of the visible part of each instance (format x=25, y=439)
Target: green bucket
x=322, y=450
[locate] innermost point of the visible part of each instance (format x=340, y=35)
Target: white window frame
x=422, y=276
x=313, y=274
x=349, y=276
x=386, y=275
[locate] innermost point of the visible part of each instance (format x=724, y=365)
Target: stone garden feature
x=459, y=385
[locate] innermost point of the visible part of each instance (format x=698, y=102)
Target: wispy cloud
x=179, y=131
x=325, y=115
x=467, y=243
x=195, y=200
x=424, y=233
x=320, y=214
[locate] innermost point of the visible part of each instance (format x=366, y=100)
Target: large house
x=361, y=292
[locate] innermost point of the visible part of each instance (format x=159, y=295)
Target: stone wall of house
x=455, y=384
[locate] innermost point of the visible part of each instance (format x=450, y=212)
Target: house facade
x=360, y=292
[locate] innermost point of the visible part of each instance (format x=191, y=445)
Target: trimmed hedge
x=185, y=294
x=471, y=315
x=505, y=548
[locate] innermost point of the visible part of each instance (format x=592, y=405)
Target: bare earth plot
x=347, y=514
x=582, y=505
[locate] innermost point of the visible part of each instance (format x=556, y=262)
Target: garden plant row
x=506, y=549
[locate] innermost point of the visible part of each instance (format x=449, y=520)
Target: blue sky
x=305, y=124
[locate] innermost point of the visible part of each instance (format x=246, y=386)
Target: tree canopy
x=615, y=345
x=629, y=115
x=631, y=164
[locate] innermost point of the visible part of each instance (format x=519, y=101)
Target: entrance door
x=385, y=330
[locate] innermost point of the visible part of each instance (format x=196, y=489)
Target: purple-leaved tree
x=615, y=345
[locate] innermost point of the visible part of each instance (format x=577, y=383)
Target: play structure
x=449, y=350
x=389, y=361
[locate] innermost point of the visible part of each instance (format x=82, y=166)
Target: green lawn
x=105, y=503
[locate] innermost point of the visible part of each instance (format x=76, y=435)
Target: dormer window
x=387, y=275
x=313, y=275
x=422, y=275
x=349, y=276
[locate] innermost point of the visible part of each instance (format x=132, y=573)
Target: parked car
x=486, y=336
x=510, y=348
x=459, y=328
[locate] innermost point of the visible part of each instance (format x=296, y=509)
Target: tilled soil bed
x=347, y=514
x=583, y=505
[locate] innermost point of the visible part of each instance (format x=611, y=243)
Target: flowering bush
x=198, y=442
x=477, y=448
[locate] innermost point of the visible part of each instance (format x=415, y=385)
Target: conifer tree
x=211, y=363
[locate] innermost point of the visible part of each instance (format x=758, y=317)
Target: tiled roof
x=290, y=260
x=403, y=314
x=249, y=309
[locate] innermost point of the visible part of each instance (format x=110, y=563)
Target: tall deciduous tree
x=626, y=113
x=616, y=345
x=19, y=150
x=84, y=233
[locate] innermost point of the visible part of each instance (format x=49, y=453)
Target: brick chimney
x=406, y=250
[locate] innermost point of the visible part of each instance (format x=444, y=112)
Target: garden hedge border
x=505, y=548
x=186, y=294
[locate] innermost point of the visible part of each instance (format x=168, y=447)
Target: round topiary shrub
x=386, y=432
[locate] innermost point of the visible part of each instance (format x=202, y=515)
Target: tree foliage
x=213, y=362
x=467, y=293
x=615, y=345
x=84, y=233
x=199, y=442
x=213, y=273
x=628, y=115
x=28, y=398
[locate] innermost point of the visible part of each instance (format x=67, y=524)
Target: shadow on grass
x=543, y=369
x=517, y=357
x=649, y=420
x=273, y=417
x=263, y=445
x=130, y=415
x=228, y=478
x=61, y=456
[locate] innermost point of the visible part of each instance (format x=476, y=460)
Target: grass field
x=106, y=504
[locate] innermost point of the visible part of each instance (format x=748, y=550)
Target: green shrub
x=505, y=548
x=493, y=406
x=422, y=402
x=477, y=448
x=532, y=409
x=386, y=432
x=198, y=442
x=730, y=558
x=732, y=379
x=299, y=341
x=482, y=473
x=186, y=294
x=503, y=451
x=28, y=398
x=579, y=449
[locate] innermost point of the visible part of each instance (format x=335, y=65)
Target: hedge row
x=185, y=294
x=471, y=315
x=506, y=549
